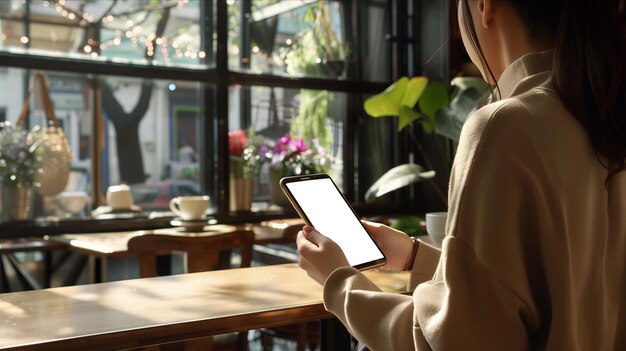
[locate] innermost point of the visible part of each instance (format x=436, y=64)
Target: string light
x=183, y=45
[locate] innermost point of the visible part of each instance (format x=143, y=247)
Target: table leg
x=97, y=269
x=92, y=269
x=164, y=265
x=334, y=336
x=4, y=281
x=104, y=270
x=47, y=262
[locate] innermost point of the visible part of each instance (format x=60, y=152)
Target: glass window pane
x=313, y=38
x=287, y=143
x=154, y=140
x=294, y=38
x=12, y=24
x=159, y=32
x=376, y=142
x=374, y=52
x=71, y=95
x=151, y=132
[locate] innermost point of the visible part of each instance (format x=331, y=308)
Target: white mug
x=119, y=197
x=436, y=226
x=190, y=207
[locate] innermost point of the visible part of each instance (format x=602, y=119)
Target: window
x=146, y=91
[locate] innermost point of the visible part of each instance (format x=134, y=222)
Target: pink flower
x=237, y=142
x=298, y=145
x=287, y=145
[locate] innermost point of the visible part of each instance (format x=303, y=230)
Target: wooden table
x=143, y=312
x=102, y=246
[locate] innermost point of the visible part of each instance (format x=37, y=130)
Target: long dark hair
x=588, y=69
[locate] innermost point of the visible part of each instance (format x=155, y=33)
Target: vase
x=276, y=194
x=240, y=194
x=17, y=203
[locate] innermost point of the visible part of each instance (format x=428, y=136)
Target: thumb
x=313, y=235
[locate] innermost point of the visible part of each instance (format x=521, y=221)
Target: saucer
x=108, y=210
x=192, y=225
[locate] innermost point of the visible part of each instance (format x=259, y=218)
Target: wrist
x=411, y=259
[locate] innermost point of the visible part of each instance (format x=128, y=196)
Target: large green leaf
x=406, y=116
x=465, y=83
x=396, y=178
x=414, y=90
x=388, y=102
x=434, y=98
x=465, y=100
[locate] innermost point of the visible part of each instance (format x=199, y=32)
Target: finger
x=304, y=243
x=305, y=247
x=300, y=239
x=315, y=237
x=372, y=225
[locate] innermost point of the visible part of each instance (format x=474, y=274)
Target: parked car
x=157, y=195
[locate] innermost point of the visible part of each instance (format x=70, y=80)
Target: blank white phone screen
x=329, y=213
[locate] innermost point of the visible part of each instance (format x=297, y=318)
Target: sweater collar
x=512, y=80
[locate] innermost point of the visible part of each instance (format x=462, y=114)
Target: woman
x=534, y=254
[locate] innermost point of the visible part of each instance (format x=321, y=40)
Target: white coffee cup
x=436, y=226
x=119, y=197
x=190, y=207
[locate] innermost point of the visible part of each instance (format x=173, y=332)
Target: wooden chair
x=203, y=253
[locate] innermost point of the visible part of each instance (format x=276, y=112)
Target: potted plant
x=290, y=157
x=244, y=165
x=428, y=104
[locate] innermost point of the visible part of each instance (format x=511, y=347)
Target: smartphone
x=321, y=205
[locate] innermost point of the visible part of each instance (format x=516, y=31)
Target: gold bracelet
x=409, y=263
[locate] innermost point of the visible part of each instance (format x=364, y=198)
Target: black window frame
x=404, y=32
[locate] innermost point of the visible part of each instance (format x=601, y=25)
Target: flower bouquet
x=20, y=164
x=291, y=157
x=245, y=164
x=20, y=159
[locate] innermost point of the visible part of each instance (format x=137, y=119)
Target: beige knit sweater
x=535, y=253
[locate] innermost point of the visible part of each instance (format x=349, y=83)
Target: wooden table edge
x=167, y=333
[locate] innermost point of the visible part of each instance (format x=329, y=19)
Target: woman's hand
x=319, y=256
x=396, y=245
